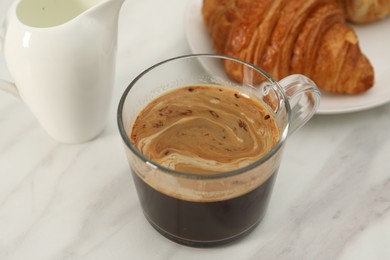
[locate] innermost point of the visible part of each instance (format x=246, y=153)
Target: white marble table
x=331, y=199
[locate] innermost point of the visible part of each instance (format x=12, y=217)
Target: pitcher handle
x=6, y=85
x=9, y=87
x=304, y=98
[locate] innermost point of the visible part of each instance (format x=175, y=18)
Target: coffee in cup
x=204, y=130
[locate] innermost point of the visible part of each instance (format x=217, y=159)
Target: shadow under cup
x=195, y=209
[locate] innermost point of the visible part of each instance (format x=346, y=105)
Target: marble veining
x=331, y=199
x=339, y=193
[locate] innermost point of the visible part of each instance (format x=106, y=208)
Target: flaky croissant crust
x=285, y=37
x=365, y=11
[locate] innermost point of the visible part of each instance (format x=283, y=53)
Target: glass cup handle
x=304, y=98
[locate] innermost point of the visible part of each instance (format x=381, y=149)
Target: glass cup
x=208, y=210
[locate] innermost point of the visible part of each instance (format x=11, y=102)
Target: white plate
x=374, y=41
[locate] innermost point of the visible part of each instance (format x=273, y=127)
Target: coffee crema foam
x=204, y=130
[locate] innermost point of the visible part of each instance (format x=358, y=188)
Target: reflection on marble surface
x=331, y=199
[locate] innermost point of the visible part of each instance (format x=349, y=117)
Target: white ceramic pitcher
x=61, y=55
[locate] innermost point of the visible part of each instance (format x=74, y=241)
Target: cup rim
x=155, y=165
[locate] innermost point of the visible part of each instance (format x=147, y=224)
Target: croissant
x=364, y=11
x=285, y=37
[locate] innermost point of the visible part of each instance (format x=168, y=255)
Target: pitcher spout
x=43, y=13
x=107, y=9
